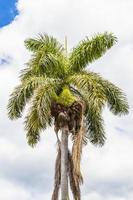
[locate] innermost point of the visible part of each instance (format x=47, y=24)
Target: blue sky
x=7, y=11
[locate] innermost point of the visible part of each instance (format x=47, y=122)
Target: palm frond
x=100, y=91
x=88, y=87
x=74, y=182
x=77, y=152
x=45, y=42
x=54, y=65
x=93, y=94
x=96, y=92
x=40, y=112
x=90, y=50
x=22, y=94
x=115, y=98
x=43, y=99
x=95, y=124
x=33, y=126
x=27, y=73
x=42, y=64
x=33, y=67
x=32, y=44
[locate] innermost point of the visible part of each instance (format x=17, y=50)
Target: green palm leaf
x=90, y=50
x=44, y=42
x=46, y=64
x=39, y=114
x=95, y=124
x=22, y=94
x=115, y=98
x=89, y=89
x=94, y=88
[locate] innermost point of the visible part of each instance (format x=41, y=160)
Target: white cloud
x=10, y=191
x=106, y=170
x=93, y=196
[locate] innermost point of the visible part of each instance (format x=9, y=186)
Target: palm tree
x=62, y=91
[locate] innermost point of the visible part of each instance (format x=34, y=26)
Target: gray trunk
x=64, y=164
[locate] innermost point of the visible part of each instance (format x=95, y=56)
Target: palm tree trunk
x=64, y=164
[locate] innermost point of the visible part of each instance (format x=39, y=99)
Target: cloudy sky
x=26, y=173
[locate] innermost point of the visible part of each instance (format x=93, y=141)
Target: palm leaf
x=22, y=94
x=33, y=126
x=45, y=42
x=46, y=64
x=95, y=124
x=115, y=98
x=90, y=50
x=40, y=112
x=88, y=87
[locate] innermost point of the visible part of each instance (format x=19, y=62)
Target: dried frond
x=77, y=152
x=74, y=182
x=57, y=178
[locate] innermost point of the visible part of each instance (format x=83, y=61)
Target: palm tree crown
x=51, y=76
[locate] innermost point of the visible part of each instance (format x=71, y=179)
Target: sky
x=7, y=11
x=26, y=173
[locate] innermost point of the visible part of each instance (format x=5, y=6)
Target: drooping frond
x=39, y=114
x=33, y=126
x=95, y=124
x=98, y=90
x=48, y=43
x=74, y=182
x=93, y=94
x=89, y=50
x=21, y=95
x=115, y=98
x=77, y=153
x=27, y=73
x=89, y=88
x=43, y=98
